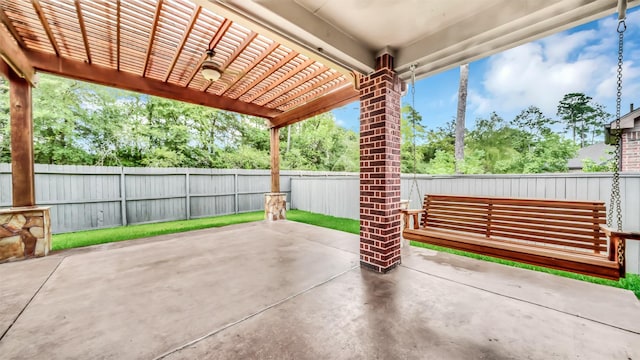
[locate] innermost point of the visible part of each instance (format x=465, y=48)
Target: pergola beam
x=234, y=56
x=4, y=68
x=320, y=105
x=286, y=77
x=252, y=66
x=118, y=15
x=111, y=77
x=221, y=30
x=185, y=37
x=293, y=85
x=152, y=36
x=45, y=24
x=12, y=29
x=83, y=30
x=14, y=57
x=291, y=94
x=266, y=74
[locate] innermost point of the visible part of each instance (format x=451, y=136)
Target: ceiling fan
x=212, y=71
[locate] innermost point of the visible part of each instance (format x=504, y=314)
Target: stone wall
x=24, y=233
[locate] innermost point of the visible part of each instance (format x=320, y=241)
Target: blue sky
x=582, y=59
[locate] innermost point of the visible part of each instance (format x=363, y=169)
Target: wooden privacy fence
x=91, y=197
x=339, y=195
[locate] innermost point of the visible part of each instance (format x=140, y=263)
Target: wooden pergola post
x=22, y=170
x=25, y=228
x=275, y=159
x=275, y=202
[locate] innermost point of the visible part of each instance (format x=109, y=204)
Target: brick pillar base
x=24, y=233
x=275, y=206
x=380, y=95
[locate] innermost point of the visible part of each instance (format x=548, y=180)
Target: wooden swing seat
x=558, y=234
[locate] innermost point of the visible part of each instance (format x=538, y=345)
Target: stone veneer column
x=380, y=95
x=24, y=233
x=275, y=206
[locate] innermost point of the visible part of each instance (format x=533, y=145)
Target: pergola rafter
x=83, y=30
x=282, y=79
x=14, y=33
x=251, y=66
x=45, y=24
x=118, y=22
x=266, y=74
x=185, y=37
x=152, y=38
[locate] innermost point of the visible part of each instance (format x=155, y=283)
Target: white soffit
x=436, y=35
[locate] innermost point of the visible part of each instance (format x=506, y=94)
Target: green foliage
x=603, y=165
x=582, y=117
x=320, y=144
x=5, y=141
x=412, y=135
x=80, y=123
x=443, y=163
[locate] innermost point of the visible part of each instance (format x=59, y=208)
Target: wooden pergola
x=157, y=48
x=281, y=60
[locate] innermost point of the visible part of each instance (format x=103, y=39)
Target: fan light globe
x=210, y=73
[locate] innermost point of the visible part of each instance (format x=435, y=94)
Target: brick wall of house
x=380, y=95
x=631, y=148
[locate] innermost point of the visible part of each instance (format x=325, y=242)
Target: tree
x=442, y=138
x=409, y=154
x=57, y=115
x=460, y=118
x=583, y=117
x=5, y=143
x=533, y=121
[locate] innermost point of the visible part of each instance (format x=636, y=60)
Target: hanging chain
x=414, y=182
x=615, y=202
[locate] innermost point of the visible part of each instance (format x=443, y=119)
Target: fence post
x=123, y=197
x=235, y=191
x=187, y=195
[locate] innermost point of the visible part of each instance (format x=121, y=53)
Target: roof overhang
x=433, y=35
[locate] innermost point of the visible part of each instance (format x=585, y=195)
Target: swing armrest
x=408, y=214
x=615, y=238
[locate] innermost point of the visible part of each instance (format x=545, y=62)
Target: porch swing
x=574, y=236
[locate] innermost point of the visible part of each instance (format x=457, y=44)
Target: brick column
x=380, y=167
x=630, y=150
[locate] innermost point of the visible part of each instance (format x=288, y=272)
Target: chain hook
x=414, y=182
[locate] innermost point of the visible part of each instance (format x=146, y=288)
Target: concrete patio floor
x=286, y=290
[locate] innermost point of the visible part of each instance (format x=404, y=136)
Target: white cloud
x=540, y=73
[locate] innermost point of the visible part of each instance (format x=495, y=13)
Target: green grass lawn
x=101, y=236
x=93, y=237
